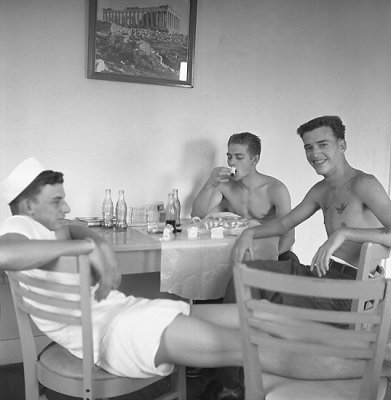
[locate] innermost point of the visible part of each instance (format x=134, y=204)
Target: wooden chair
x=266, y=327
x=57, y=369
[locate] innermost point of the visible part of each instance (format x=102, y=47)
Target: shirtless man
x=247, y=193
x=355, y=206
x=252, y=195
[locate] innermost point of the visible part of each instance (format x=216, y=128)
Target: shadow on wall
x=199, y=158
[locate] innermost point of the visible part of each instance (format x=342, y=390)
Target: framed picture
x=144, y=41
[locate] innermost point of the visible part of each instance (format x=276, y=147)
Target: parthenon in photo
x=162, y=18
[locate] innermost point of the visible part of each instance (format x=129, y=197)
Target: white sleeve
x=17, y=224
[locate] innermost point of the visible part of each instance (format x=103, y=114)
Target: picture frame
x=142, y=41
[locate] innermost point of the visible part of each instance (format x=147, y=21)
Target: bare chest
x=250, y=204
x=342, y=209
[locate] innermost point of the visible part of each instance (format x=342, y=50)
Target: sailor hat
x=20, y=178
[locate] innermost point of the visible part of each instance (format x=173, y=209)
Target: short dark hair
x=47, y=177
x=332, y=121
x=252, y=141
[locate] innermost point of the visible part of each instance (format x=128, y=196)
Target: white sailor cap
x=20, y=178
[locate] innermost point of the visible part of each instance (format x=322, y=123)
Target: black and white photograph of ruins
x=148, y=40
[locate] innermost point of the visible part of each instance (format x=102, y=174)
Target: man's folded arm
x=17, y=252
x=102, y=259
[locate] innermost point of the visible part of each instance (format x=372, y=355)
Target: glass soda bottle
x=178, y=208
x=121, y=211
x=171, y=211
x=107, y=210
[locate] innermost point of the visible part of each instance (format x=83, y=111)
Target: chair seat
x=280, y=388
x=57, y=362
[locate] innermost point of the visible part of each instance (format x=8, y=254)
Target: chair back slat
x=314, y=315
x=52, y=299
x=325, y=333
x=310, y=331
x=44, y=284
x=301, y=347
x=50, y=316
x=316, y=287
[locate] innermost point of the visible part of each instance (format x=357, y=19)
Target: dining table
x=196, y=269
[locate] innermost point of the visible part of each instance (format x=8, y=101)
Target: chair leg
x=181, y=383
x=388, y=391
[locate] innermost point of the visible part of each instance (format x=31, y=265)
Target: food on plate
x=225, y=220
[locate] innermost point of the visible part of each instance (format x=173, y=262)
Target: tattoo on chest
x=342, y=207
x=386, y=230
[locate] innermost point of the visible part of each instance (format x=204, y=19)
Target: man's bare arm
x=277, y=226
x=17, y=252
x=210, y=196
x=373, y=195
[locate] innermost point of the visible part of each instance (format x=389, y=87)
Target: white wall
x=261, y=65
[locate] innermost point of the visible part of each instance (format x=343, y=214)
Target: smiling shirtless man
x=355, y=207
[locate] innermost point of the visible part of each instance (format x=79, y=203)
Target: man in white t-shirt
x=133, y=337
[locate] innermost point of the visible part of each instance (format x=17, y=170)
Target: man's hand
x=106, y=269
x=244, y=245
x=321, y=259
x=219, y=175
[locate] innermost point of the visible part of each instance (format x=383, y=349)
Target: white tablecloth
x=196, y=269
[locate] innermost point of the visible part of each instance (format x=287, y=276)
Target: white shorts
x=129, y=344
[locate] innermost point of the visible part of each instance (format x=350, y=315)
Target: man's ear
x=26, y=207
x=343, y=145
x=256, y=159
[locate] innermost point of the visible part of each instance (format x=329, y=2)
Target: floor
x=12, y=386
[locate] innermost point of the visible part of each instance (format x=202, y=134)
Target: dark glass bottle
x=171, y=211
x=177, y=204
x=107, y=210
x=121, y=211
